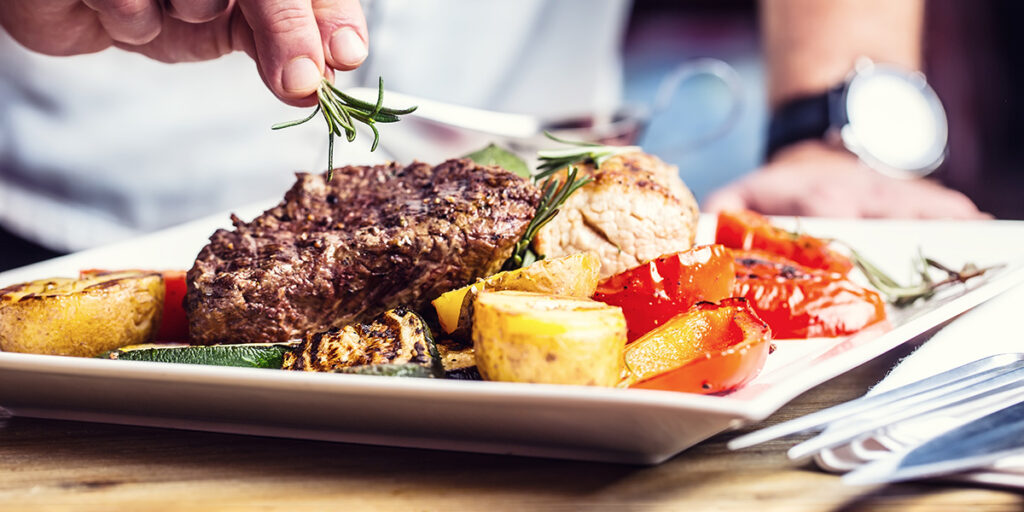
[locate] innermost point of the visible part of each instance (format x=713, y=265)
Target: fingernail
x=347, y=48
x=301, y=75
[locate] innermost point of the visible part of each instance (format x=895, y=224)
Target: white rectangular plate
x=615, y=425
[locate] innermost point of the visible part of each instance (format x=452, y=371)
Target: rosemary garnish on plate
x=341, y=111
x=553, y=196
x=903, y=295
x=551, y=160
x=554, y=192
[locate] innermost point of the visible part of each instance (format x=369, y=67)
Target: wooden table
x=58, y=465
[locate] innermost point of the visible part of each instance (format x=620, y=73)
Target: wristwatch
x=887, y=116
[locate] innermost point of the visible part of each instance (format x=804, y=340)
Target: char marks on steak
x=346, y=250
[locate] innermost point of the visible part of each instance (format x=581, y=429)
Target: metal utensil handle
x=1005, y=384
x=980, y=442
x=817, y=420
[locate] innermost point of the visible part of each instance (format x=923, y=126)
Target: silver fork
x=978, y=385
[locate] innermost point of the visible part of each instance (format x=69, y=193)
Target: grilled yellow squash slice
x=81, y=317
x=249, y=355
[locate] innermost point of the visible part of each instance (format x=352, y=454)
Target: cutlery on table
x=922, y=390
x=977, y=444
x=988, y=394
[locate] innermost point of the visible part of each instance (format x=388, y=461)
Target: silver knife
x=973, y=445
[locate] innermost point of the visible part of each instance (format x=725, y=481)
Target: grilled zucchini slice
x=81, y=317
x=251, y=355
x=398, y=337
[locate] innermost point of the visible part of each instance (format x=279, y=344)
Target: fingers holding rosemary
x=293, y=39
x=295, y=43
x=288, y=46
x=343, y=32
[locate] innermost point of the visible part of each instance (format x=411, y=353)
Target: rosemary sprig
x=554, y=159
x=553, y=196
x=903, y=295
x=555, y=193
x=340, y=113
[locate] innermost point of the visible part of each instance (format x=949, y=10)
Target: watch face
x=895, y=121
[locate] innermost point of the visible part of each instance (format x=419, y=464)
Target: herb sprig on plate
x=553, y=196
x=551, y=160
x=341, y=111
x=903, y=295
x=555, y=192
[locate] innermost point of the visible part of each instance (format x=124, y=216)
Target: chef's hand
x=812, y=179
x=293, y=42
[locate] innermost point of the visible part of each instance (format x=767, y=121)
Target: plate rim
x=754, y=408
x=730, y=410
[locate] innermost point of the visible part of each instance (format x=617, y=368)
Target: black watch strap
x=809, y=117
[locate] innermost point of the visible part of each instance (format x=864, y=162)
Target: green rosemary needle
x=903, y=295
x=554, y=193
x=552, y=160
x=340, y=111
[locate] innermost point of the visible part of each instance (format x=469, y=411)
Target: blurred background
x=973, y=60
x=72, y=176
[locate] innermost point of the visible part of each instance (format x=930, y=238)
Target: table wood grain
x=62, y=465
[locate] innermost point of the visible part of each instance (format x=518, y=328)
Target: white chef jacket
x=97, y=148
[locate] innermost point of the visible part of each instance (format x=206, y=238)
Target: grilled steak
x=371, y=239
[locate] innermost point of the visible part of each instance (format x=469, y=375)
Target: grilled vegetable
x=80, y=317
x=251, y=355
x=531, y=337
x=803, y=302
x=745, y=229
x=173, y=322
x=709, y=349
x=396, y=337
x=459, y=362
x=574, y=276
x=660, y=289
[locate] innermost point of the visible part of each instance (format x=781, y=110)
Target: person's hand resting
x=293, y=42
x=813, y=179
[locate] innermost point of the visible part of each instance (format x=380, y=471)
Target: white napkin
x=991, y=328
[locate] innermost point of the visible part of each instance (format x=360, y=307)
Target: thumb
x=289, y=49
x=343, y=31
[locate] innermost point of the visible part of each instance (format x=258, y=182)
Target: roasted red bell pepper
x=711, y=348
x=803, y=302
x=745, y=229
x=660, y=289
x=173, y=322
